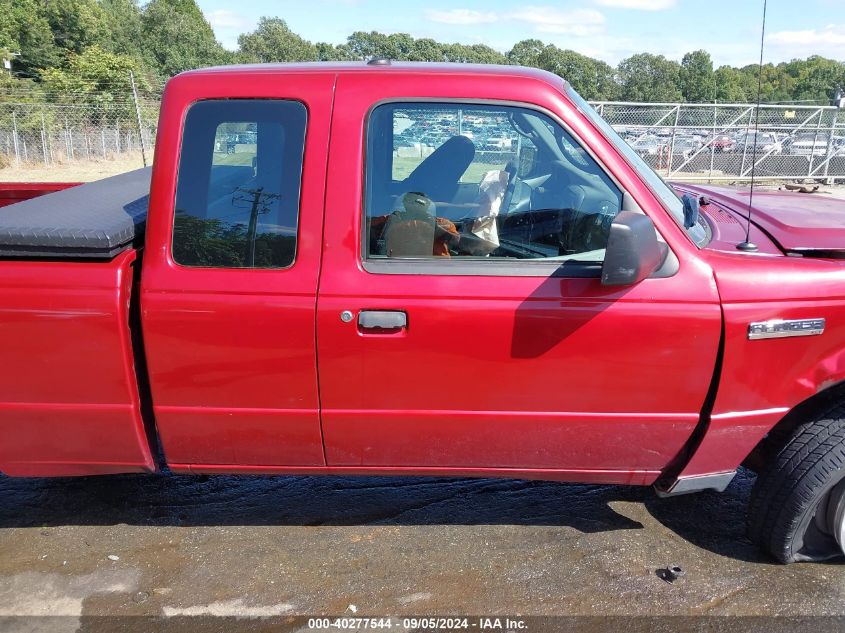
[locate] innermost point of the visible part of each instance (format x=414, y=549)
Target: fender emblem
x=781, y=328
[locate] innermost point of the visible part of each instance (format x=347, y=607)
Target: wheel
x=797, y=510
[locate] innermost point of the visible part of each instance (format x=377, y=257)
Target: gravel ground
x=263, y=546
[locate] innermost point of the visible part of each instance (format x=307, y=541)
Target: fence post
x=15, y=137
x=672, y=145
x=44, y=138
x=829, y=153
x=138, y=116
x=815, y=140
x=713, y=142
x=745, y=144
x=69, y=139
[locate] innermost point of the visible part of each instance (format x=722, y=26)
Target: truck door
x=230, y=277
x=461, y=320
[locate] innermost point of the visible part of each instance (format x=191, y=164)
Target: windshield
x=671, y=202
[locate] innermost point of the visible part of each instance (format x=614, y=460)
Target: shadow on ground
x=712, y=521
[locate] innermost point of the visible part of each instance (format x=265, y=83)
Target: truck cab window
x=483, y=182
x=237, y=196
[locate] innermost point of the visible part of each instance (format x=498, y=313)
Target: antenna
x=747, y=245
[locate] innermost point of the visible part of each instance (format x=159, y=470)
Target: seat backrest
x=439, y=174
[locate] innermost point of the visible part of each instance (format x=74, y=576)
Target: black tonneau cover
x=94, y=220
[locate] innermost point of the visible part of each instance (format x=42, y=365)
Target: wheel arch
x=813, y=408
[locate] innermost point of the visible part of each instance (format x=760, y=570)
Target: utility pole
x=252, y=228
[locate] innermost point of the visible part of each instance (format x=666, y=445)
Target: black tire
x=791, y=488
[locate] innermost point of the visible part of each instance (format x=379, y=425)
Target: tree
x=362, y=45
x=592, y=79
x=818, y=78
x=696, y=77
x=475, y=54
x=76, y=24
x=526, y=53
x=646, y=77
x=96, y=78
x=427, y=50
x=329, y=52
x=728, y=85
x=777, y=83
x=176, y=37
x=123, y=26
x=24, y=29
x=273, y=41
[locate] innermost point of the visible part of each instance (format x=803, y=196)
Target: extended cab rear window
x=237, y=195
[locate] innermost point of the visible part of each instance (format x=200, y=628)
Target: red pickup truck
x=433, y=270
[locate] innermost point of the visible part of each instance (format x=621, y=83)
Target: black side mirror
x=633, y=252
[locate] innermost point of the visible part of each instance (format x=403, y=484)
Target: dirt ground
x=73, y=171
x=277, y=546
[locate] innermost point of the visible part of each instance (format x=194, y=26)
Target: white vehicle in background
x=808, y=144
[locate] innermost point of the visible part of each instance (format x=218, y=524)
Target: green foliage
x=817, y=79
x=402, y=47
x=25, y=29
x=176, y=37
x=123, y=27
x=75, y=24
x=526, y=53
x=29, y=95
x=696, y=78
x=98, y=78
x=160, y=38
x=729, y=85
x=273, y=41
x=214, y=243
x=646, y=77
x=591, y=78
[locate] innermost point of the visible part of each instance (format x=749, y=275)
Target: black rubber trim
x=679, y=462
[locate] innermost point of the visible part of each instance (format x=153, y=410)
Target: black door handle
x=382, y=320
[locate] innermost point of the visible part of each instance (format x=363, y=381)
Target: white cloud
x=223, y=19
x=828, y=41
x=643, y=5
x=544, y=19
x=461, y=16
x=578, y=22
x=831, y=34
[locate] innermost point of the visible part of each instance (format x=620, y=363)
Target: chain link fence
x=680, y=141
x=77, y=127
x=52, y=134
x=733, y=141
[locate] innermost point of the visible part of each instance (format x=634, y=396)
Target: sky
x=606, y=29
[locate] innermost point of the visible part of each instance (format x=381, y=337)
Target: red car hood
x=796, y=222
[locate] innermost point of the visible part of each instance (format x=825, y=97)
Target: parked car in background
x=647, y=145
x=758, y=143
x=807, y=144
x=723, y=143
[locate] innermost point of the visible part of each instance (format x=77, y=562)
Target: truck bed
x=13, y=192
x=69, y=395
x=94, y=220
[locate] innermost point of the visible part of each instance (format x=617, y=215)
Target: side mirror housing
x=633, y=251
